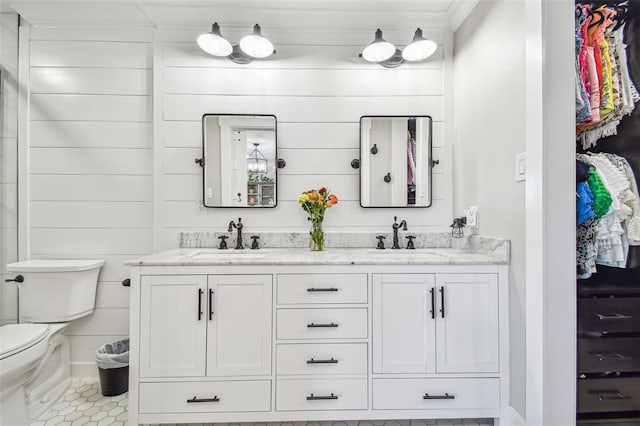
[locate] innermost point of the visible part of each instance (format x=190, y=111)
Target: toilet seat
x=15, y=338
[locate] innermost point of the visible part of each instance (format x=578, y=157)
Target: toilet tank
x=56, y=290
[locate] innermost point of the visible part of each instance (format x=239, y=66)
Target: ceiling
x=178, y=14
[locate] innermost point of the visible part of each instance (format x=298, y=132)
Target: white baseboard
x=84, y=369
x=510, y=417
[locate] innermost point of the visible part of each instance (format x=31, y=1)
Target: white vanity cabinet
x=272, y=341
x=198, y=325
x=435, y=323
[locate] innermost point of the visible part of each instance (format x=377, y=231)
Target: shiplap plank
x=110, y=294
x=114, y=268
x=82, y=214
x=290, y=56
x=8, y=155
x=345, y=187
x=288, y=215
x=182, y=187
x=102, y=322
x=91, y=34
x=90, y=242
x=302, y=108
x=185, y=134
x=90, y=188
x=318, y=135
x=181, y=161
x=310, y=37
x=83, y=348
x=90, y=107
x=437, y=134
x=98, y=54
x=95, y=134
x=302, y=82
x=90, y=161
x=101, y=81
x=318, y=161
x=445, y=161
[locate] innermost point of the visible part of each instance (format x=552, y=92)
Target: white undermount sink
x=406, y=252
x=215, y=254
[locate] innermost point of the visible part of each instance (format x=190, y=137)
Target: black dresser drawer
x=611, y=315
x=607, y=395
x=602, y=355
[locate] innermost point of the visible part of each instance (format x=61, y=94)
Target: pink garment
x=594, y=85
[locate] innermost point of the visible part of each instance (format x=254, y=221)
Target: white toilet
x=35, y=366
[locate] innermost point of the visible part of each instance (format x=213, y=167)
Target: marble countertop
x=330, y=256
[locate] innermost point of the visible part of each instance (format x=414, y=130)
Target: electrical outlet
x=200, y=208
x=472, y=216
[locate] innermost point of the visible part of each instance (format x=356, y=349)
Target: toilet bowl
x=35, y=368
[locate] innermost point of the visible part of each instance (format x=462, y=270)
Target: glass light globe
x=419, y=49
x=213, y=43
x=255, y=44
x=379, y=50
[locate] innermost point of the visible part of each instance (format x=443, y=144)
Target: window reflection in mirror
x=395, y=161
x=240, y=160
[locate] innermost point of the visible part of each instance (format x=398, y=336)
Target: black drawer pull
x=318, y=398
x=210, y=304
x=445, y=396
x=313, y=289
x=322, y=361
x=195, y=399
x=611, y=356
x=433, y=303
x=613, y=317
x=609, y=395
x=442, y=301
x=313, y=325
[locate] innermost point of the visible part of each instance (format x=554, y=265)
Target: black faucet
x=410, y=245
x=223, y=243
x=254, y=244
x=238, y=226
x=395, y=227
x=380, y=245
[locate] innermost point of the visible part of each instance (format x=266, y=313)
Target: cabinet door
x=172, y=329
x=403, y=324
x=467, y=323
x=239, y=332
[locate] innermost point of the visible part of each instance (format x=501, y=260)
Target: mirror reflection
x=395, y=161
x=240, y=160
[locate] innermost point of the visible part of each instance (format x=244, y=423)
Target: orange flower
x=333, y=199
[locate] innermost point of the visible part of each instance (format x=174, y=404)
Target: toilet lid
x=15, y=338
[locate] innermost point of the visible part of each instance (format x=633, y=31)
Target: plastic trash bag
x=113, y=355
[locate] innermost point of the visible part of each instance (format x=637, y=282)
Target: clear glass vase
x=316, y=240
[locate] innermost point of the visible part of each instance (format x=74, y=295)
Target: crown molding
x=459, y=11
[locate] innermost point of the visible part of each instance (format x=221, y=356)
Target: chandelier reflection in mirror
x=257, y=163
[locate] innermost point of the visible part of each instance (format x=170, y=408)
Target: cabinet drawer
x=601, y=395
x=342, y=394
x=426, y=394
x=333, y=358
x=322, y=288
x=322, y=323
x=609, y=315
x=600, y=355
x=231, y=396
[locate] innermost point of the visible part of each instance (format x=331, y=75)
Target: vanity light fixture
x=379, y=49
x=256, y=162
x=213, y=43
x=420, y=48
x=252, y=46
x=385, y=53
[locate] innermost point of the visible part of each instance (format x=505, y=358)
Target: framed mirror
x=240, y=167
x=395, y=161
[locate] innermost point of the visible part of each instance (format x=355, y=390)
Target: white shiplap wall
x=8, y=163
x=114, y=128
x=91, y=163
x=318, y=89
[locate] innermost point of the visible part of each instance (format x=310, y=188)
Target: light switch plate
x=521, y=166
x=472, y=216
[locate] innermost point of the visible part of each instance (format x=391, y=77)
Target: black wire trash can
x=113, y=367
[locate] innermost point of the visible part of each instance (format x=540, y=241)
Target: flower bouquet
x=315, y=202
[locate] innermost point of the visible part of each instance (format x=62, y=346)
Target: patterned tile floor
x=84, y=405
